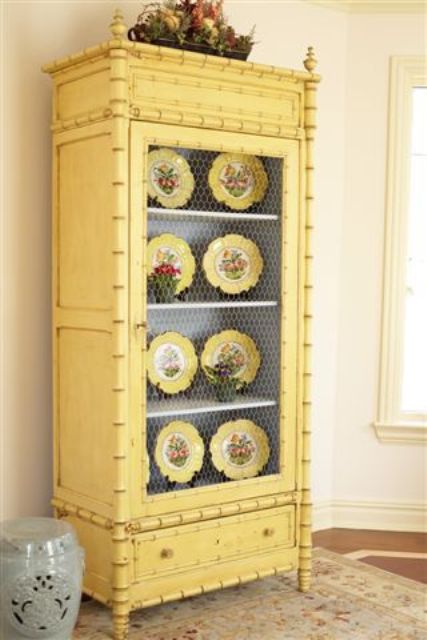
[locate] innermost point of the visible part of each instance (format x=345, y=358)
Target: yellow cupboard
x=182, y=221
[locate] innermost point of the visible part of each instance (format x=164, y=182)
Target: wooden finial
x=310, y=62
x=118, y=27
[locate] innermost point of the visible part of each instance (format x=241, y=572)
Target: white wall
x=284, y=31
x=364, y=468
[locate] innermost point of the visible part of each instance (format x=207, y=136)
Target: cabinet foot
x=120, y=626
x=304, y=580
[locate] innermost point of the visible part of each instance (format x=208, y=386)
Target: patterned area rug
x=348, y=600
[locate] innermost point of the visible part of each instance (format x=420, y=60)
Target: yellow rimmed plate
x=240, y=449
x=237, y=350
x=171, y=362
x=233, y=263
x=170, y=180
x=171, y=250
x=179, y=451
x=238, y=180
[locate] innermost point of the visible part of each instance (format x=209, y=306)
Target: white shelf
x=158, y=212
x=152, y=306
x=183, y=406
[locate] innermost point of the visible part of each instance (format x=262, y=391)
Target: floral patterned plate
x=167, y=249
x=240, y=449
x=179, y=451
x=236, y=350
x=233, y=263
x=171, y=362
x=238, y=180
x=170, y=180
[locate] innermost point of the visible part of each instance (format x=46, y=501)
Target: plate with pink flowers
x=238, y=180
x=240, y=448
x=171, y=257
x=170, y=180
x=179, y=451
x=233, y=263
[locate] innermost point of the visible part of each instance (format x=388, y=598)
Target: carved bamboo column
x=120, y=124
x=304, y=574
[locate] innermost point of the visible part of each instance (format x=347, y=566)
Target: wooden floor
x=398, y=552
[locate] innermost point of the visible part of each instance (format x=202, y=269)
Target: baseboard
x=322, y=515
x=382, y=516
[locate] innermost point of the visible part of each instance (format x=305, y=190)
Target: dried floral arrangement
x=196, y=25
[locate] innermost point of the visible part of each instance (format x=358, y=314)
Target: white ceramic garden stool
x=41, y=568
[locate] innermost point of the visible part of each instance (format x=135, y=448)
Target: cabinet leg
x=304, y=580
x=120, y=626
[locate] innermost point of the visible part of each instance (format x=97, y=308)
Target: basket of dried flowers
x=195, y=25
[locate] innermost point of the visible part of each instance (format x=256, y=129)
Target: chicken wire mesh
x=199, y=233
x=262, y=324
x=202, y=198
x=255, y=313
x=207, y=424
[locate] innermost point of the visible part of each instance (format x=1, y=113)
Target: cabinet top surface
x=141, y=53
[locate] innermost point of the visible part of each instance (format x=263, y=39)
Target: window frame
x=392, y=424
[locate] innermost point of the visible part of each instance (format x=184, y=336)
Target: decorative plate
x=170, y=180
x=170, y=250
x=233, y=263
x=238, y=180
x=179, y=451
x=240, y=449
x=171, y=362
x=237, y=350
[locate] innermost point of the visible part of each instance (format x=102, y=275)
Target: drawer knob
x=268, y=532
x=166, y=553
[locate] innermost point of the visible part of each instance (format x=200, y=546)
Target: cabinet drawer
x=213, y=541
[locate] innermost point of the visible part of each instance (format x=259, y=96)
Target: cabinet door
x=215, y=231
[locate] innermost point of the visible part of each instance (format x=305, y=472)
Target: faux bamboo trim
x=304, y=569
x=144, y=318
x=64, y=509
x=88, y=118
x=179, y=56
x=163, y=522
x=214, y=122
x=284, y=319
x=119, y=136
x=212, y=586
x=208, y=146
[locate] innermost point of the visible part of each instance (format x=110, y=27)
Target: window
x=414, y=383
x=402, y=406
